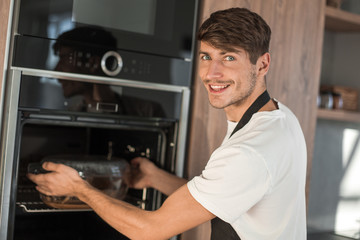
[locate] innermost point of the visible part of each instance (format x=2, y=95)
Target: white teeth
x=218, y=87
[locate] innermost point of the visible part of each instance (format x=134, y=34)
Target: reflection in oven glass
x=95, y=97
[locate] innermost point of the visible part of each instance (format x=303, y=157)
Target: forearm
x=165, y=182
x=179, y=213
x=124, y=217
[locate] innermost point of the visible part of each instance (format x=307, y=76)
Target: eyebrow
x=223, y=52
x=202, y=52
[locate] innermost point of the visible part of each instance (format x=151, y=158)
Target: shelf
x=341, y=21
x=339, y=115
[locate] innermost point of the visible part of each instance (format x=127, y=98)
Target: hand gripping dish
x=109, y=176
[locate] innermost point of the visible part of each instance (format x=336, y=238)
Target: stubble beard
x=243, y=96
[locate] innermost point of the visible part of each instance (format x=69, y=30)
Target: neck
x=236, y=111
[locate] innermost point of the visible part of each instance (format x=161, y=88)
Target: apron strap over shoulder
x=219, y=229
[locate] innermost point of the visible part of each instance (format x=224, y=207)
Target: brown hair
x=237, y=28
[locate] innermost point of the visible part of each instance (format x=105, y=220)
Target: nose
x=214, y=70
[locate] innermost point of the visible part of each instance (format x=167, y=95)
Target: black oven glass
x=57, y=95
x=161, y=27
x=138, y=16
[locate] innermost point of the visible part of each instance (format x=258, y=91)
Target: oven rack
x=29, y=201
x=39, y=207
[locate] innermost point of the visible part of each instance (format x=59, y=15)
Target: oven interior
x=46, y=134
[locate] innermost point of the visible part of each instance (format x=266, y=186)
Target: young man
x=253, y=186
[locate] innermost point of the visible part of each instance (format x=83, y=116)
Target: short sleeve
x=233, y=181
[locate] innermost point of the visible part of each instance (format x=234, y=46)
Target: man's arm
x=179, y=212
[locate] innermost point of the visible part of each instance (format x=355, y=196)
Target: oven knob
x=111, y=63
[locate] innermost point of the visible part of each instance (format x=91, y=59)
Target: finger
x=135, y=161
x=36, y=178
x=132, y=179
x=138, y=161
x=40, y=181
x=43, y=190
x=61, y=168
x=50, y=166
x=46, y=191
x=31, y=176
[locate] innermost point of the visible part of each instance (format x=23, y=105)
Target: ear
x=263, y=64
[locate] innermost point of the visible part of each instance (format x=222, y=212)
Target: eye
x=205, y=57
x=229, y=58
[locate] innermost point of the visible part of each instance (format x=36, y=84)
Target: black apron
x=221, y=230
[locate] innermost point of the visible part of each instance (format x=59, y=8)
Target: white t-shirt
x=256, y=179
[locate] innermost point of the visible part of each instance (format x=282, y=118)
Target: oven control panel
x=95, y=60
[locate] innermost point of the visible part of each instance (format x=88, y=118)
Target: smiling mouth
x=218, y=88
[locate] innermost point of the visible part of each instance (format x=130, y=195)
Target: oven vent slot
x=95, y=120
x=71, y=118
x=50, y=117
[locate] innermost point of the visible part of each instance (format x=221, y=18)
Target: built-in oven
x=159, y=27
x=92, y=79
x=106, y=38
x=131, y=120
x=49, y=126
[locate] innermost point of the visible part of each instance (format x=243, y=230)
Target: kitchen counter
x=326, y=236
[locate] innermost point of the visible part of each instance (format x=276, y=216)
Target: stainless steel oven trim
x=7, y=57
x=185, y=101
x=99, y=79
x=8, y=148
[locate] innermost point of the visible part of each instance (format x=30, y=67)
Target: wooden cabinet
x=4, y=15
x=338, y=22
x=341, y=21
x=333, y=195
x=339, y=115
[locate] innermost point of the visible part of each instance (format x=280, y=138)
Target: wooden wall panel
x=4, y=15
x=296, y=50
x=293, y=79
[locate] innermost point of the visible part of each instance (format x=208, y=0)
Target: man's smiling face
x=229, y=77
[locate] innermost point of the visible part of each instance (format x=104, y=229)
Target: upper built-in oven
x=161, y=27
x=146, y=40
x=118, y=69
